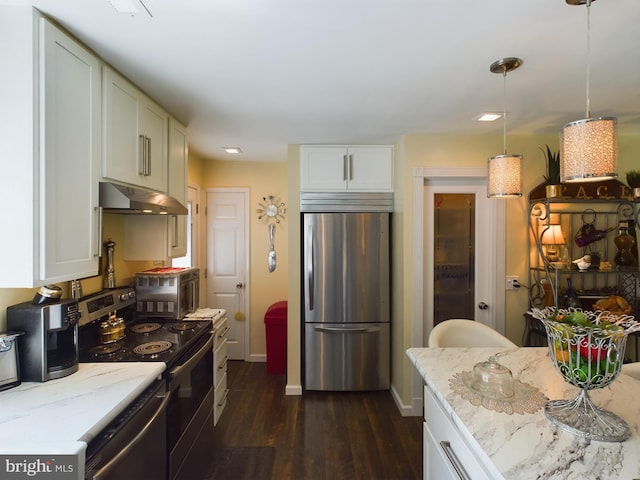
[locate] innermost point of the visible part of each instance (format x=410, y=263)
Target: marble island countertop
x=61, y=416
x=529, y=446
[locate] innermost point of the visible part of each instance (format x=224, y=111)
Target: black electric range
x=186, y=347
x=146, y=339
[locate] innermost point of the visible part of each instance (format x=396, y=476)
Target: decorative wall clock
x=271, y=209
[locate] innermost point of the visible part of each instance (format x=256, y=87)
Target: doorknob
x=483, y=306
x=239, y=285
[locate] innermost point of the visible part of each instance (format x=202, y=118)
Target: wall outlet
x=512, y=283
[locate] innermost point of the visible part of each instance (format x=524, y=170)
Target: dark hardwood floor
x=319, y=435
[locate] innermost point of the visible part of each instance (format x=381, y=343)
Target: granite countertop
x=528, y=445
x=63, y=415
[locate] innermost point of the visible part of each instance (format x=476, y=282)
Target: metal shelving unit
x=602, y=205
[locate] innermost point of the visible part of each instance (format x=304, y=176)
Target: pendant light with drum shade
x=588, y=147
x=504, y=172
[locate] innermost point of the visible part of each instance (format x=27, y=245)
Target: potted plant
x=633, y=180
x=553, y=187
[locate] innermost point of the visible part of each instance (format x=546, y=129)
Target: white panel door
x=227, y=265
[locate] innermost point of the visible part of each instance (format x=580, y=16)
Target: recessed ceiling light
x=125, y=6
x=488, y=117
x=130, y=7
x=233, y=150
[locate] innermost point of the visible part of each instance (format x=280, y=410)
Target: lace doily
x=526, y=399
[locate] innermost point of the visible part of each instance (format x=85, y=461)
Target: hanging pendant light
x=588, y=147
x=504, y=172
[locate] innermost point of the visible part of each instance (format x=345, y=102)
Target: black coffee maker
x=49, y=347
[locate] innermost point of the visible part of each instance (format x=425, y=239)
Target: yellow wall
x=113, y=227
x=262, y=179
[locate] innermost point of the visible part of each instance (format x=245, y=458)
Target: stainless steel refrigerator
x=346, y=277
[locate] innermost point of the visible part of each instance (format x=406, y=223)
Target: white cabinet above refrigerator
x=346, y=168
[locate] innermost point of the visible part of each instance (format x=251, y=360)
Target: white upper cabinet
x=50, y=158
x=135, y=133
x=178, y=156
x=342, y=168
x=160, y=237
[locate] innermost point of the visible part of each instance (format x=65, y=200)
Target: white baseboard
x=257, y=357
x=413, y=410
x=293, y=390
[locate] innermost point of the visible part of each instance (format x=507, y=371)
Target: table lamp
x=550, y=238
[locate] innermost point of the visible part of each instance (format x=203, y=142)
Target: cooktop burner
x=183, y=327
x=152, y=348
x=107, y=349
x=147, y=327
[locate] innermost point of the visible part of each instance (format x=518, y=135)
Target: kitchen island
x=61, y=416
x=521, y=446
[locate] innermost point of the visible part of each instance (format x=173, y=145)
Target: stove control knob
x=132, y=294
x=124, y=297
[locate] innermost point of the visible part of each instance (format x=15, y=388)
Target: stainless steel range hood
x=121, y=199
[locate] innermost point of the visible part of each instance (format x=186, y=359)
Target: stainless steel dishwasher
x=134, y=444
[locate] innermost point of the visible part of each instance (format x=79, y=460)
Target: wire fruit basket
x=587, y=348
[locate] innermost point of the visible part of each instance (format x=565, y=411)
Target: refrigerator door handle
x=319, y=328
x=310, y=255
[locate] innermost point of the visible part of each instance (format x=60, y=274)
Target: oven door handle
x=195, y=358
x=136, y=440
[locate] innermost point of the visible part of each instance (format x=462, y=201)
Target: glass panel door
x=454, y=256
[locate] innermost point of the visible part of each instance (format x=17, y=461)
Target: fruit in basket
x=609, y=367
x=587, y=372
x=562, y=355
x=590, y=351
x=614, y=304
x=564, y=330
x=579, y=318
x=576, y=317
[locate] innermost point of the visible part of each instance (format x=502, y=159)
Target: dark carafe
x=625, y=245
x=571, y=297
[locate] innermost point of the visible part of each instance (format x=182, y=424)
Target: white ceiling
x=261, y=74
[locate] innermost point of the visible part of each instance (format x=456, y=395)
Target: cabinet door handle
x=344, y=167
x=174, y=242
x=453, y=459
x=224, y=399
x=223, y=365
x=350, y=167
x=148, y=156
x=142, y=159
x=97, y=252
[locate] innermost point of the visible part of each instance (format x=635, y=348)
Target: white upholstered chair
x=632, y=369
x=458, y=332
